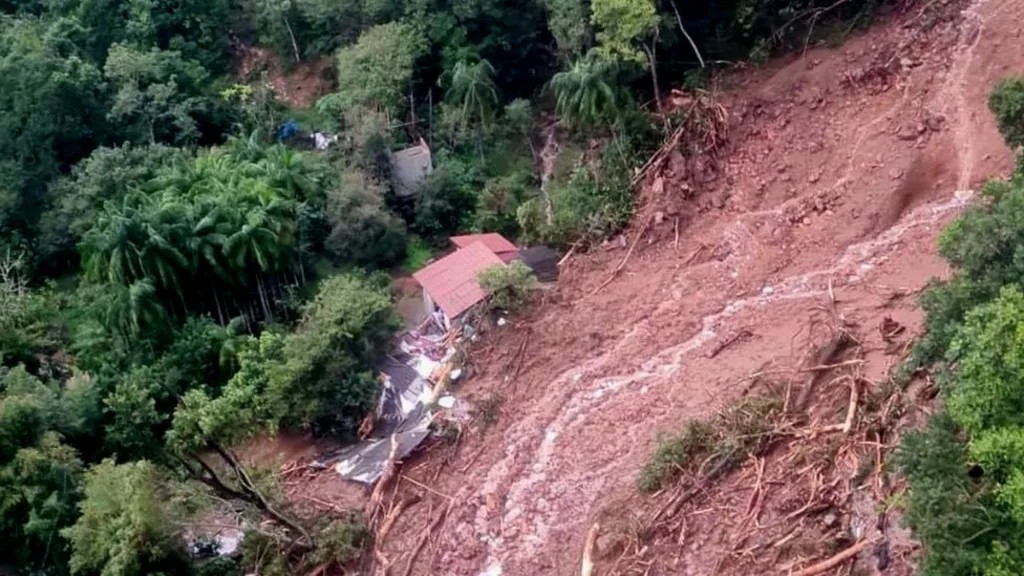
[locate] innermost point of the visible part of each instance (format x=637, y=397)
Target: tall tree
x=471, y=88
x=585, y=94
x=628, y=30
x=377, y=70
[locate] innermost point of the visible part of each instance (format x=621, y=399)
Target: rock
x=896, y=174
x=608, y=544
x=813, y=178
x=786, y=178
x=935, y=122
x=830, y=520
x=718, y=200
x=807, y=220
x=907, y=133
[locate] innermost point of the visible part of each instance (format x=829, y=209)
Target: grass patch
x=714, y=446
x=417, y=254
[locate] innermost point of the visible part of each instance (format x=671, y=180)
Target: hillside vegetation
x=175, y=280
x=966, y=468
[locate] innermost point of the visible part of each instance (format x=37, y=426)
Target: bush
x=1007, y=103
x=445, y=199
x=363, y=232
x=716, y=445
x=499, y=202
x=508, y=287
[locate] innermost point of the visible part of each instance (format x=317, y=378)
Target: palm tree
x=134, y=308
x=111, y=249
x=473, y=90
x=584, y=96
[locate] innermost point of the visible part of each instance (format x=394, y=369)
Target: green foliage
x=569, y=21
x=712, y=446
x=39, y=486
x=327, y=374
x=989, y=382
x=586, y=96
x=340, y=541
x=26, y=315
x=472, y=91
x=377, y=69
x=445, y=199
x=1007, y=104
x=499, y=201
x=50, y=115
x=621, y=24
x=362, y=230
x=107, y=175
x=124, y=528
x=156, y=95
x=595, y=202
x=417, y=254
x=952, y=515
x=508, y=287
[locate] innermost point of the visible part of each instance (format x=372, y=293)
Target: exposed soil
x=298, y=85
x=843, y=166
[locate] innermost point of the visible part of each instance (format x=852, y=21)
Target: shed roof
x=451, y=282
x=411, y=166
x=542, y=260
x=495, y=242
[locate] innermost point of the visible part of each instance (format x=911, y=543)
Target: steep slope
x=843, y=166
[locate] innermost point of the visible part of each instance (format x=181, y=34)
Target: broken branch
x=587, y=564
x=835, y=560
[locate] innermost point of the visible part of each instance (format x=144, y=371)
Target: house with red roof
x=450, y=284
x=494, y=242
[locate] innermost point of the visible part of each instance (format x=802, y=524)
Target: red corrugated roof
x=495, y=242
x=451, y=282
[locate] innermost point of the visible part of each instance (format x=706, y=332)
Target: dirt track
x=844, y=166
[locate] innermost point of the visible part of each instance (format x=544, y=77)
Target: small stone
x=807, y=220
x=906, y=133
x=786, y=178
x=767, y=291
x=830, y=520
x=934, y=123
x=813, y=178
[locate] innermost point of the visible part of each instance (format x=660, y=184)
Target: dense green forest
x=175, y=280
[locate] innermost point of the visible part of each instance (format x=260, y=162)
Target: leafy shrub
x=417, y=254
x=363, y=231
x=508, y=287
x=445, y=200
x=124, y=528
x=719, y=443
x=1007, y=103
x=948, y=512
x=499, y=202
